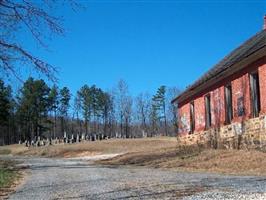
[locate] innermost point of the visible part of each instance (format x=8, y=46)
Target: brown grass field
x=160, y=152
x=118, y=146
x=195, y=159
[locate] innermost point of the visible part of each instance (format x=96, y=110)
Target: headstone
x=38, y=143
x=72, y=138
x=82, y=136
x=65, y=137
x=77, y=139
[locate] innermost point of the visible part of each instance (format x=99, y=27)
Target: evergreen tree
x=64, y=104
x=84, y=95
x=33, y=107
x=5, y=103
x=54, y=105
x=77, y=109
x=159, y=106
x=6, y=107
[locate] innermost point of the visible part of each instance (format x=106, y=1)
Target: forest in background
x=39, y=111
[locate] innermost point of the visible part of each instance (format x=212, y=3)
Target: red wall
x=262, y=77
x=218, y=107
x=240, y=99
x=184, y=119
x=241, y=96
x=199, y=114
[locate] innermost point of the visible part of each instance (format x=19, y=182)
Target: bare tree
x=143, y=104
x=35, y=20
x=171, y=109
x=121, y=100
x=128, y=115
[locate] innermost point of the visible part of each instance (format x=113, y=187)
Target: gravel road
x=78, y=179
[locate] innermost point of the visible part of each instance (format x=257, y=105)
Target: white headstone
x=82, y=136
x=77, y=139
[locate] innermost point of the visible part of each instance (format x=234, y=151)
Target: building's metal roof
x=252, y=45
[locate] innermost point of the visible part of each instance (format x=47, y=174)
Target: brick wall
x=244, y=131
x=217, y=107
x=199, y=114
x=262, y=78
x=241, y=98
x=184, y=120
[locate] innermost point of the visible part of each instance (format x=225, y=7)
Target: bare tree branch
x=40, y=65
x=30, y=17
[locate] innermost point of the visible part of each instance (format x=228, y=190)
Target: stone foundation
x=239, y=135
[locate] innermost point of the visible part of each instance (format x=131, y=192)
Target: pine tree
x=77, y=109
x=84, y=94
x=159, y=106
x=33, y=107
x=5, y=104
x=64, y=104
x=54, y=105
x=6, y=107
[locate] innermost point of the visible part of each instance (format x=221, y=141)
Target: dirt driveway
x=78, y=179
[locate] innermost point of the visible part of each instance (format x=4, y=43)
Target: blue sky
x=148, y=43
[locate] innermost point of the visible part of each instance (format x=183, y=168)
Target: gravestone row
x=67, y=139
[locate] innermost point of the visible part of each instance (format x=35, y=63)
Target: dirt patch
x=241, y=162
x=74, y=154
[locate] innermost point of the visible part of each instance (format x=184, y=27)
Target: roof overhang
x=193, y=91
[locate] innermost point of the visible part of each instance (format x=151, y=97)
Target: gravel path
x=77, y=179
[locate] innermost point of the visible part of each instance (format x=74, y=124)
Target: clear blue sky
x=149, y=43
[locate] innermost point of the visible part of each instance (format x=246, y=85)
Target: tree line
x=38, y=110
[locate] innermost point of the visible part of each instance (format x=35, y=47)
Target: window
x=207, y=111
x=255, y=94
x=228, y=104
x=192, y=118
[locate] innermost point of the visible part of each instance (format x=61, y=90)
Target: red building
x=229, y=95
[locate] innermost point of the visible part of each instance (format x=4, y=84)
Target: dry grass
x=101, y=147
x=12, y=149
x=161, y=152
x=196, y=159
